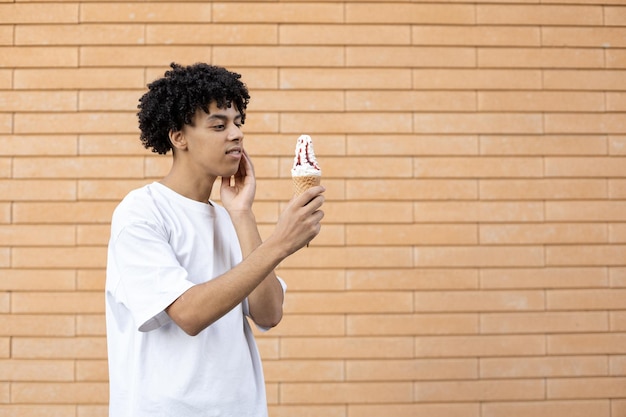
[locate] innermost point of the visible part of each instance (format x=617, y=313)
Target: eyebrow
x=221, y=117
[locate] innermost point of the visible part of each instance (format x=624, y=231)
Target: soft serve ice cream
x=305, y=172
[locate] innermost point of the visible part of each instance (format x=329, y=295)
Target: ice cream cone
x=301, y=184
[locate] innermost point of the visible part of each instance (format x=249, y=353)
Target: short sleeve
x=150, y=277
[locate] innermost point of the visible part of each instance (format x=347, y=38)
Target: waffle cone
x=301, y=184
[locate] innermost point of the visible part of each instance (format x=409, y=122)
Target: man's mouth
x=234, y=151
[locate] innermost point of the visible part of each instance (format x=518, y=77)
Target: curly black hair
x=173, y=100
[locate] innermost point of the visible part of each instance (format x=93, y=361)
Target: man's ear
x=178, y=140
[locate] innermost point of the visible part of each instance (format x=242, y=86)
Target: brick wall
x=473, y=257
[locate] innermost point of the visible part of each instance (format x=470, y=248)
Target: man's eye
x=218, y=127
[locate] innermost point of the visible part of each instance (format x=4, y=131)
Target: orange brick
x=544, y=145
x=617, y=189
x=410, y=369
x=37, y=280
x=616, y=101
x=57, y=302
x=615, y=59
x=6, y=35
x=598, y=37
x=409, y=13
x=79, y=167
x=478, y=301
x=456, y=123
x=37, y=190
x=5, y=396
x=411, y=189
x=583, y=80
x=105, y=189
x=352, y=212
x=586, y=211
x=59, y=393
x=37, y=101
x=574, y=408
x=214, y=34
x=349, y=122
x=75, y=123
x=585, y=123
x=6, y=78
x=5, y=301
x=540, y=101
x=411, y=234
x=57, y=212
x=90, y=280
x=345, y=78
x=617, y=233
x=5, y=257
x=35, y=56
x=546, y=233
x=59, y=348
x=617, y=321
x=478, y=167
x=6, y=123
x=285, y=100
x=469, y=211
x=543, y=367
x=540, y=58
x=586, y=255
x=477, y=79
x=144, y=12
x=308, y=410
x=38, y=13
x=79, y=78
x=588, y=299
x=412, y=279
x=613, y=166
x=34, y=235
x=83, y=34
x=614, y=15
x=544, y=278
x=90, y=325
x=303, y=370
x=294, y=34
x=342, y=347
x=616, y=364
x=479, y=256
x=581, y=388
x=111, y=145
x=37, y=370
x=476, y=35
x=543, y=189
x=281, y=56
x=411, y=324
x=348, y=302
x=585, y=344
x=108, y=100
x=544, y=322
x=549, y=15
x=48, y=145
x=412, y=144
x=410, y=56
x=40, y=257
x=325, y=279
x=382, y=100
x=494, y=390
x=92, y=370
x=416, y=409
x=308, y=324
x=279, y=12
x=346, y=392
x=132, y=56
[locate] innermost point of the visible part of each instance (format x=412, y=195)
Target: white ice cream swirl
x=304, y=162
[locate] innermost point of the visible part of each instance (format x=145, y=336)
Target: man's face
x=214, y=142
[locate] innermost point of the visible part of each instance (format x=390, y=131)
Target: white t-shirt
x=161, y=245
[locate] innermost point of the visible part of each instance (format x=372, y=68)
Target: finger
x=306, y=197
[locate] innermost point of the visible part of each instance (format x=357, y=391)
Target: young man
x=183, y=272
